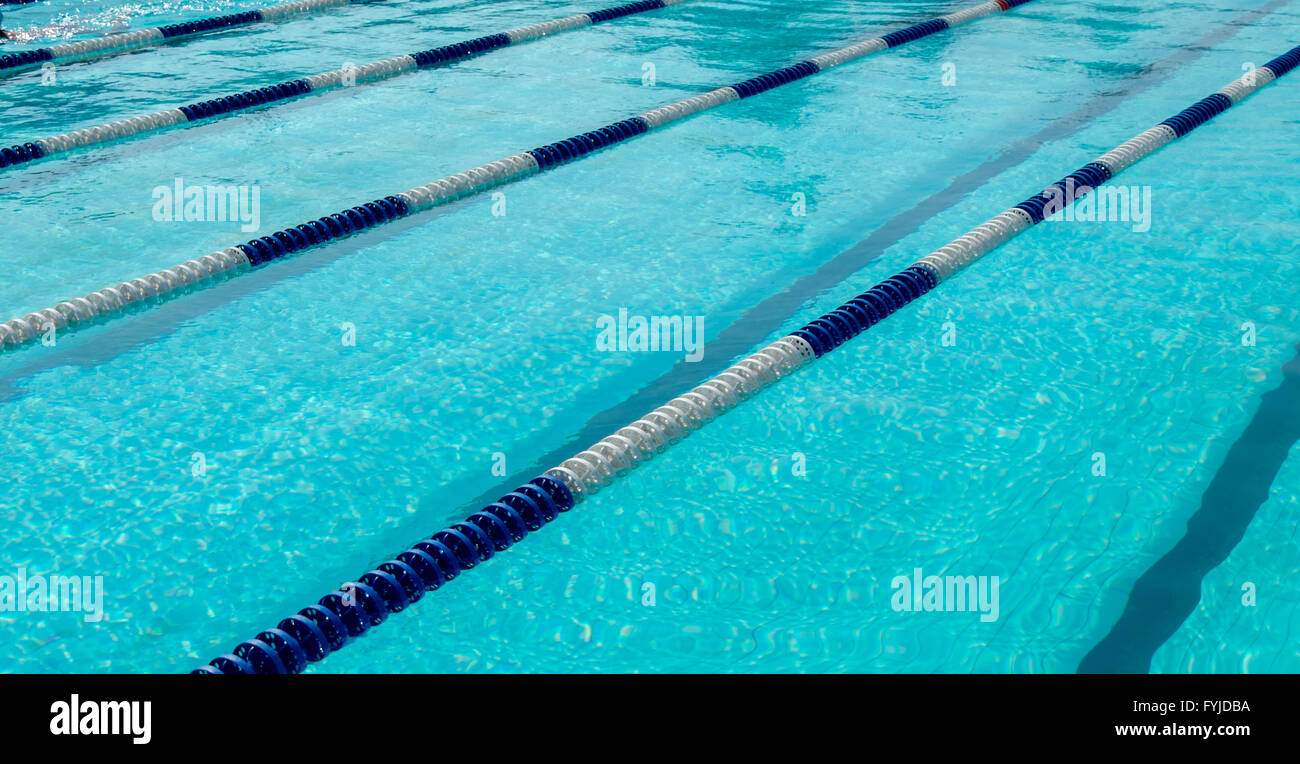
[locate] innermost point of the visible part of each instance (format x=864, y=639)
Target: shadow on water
x=1168, y=592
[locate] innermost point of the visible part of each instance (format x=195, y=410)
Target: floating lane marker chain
x=317, y=630
x=122, y=42
x=318, y=83
x=235, y=260
x=833, y=329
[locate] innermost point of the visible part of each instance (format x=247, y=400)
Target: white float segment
x=114, y=298
x=688, y=106
x=122, y=41
x=470, y=181
x=976, y=243
x=538, y=31
x=850, y=53
x=113, y=130
x=376, y=70
x=614, y=456
x=970, y=14
x=1247, y=83
x=284, y=11
x=1141, y=145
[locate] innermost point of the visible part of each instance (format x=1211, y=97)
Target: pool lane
x=320, y=629
x=434, y=616
x=255, y=98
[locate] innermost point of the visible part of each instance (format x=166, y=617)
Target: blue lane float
x=915, y=32
x=609, y=14
x=25, y=58
x=27, y=152
x=352, y=220
x=1284, y=63
x=245, y=100
x=456, y=51
x=282, y=91
x=161, y=285
x=765, y=82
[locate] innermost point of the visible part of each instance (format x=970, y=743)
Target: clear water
x=476, y=335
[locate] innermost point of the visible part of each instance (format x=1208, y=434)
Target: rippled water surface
x=476, y=337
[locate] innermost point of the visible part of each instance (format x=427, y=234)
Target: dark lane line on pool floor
x=1169, y=591
x=760, y=321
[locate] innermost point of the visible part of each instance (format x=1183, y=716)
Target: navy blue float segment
x=1198, y=114
x=1102, y=173
x=290, y=240
x=247, y=99
x=320, y=629
x=209, y=24
x=1013, y=3
x=580, y=145
x=229, y=664
x=765, y=82
x=310, y=637
x=459, y=50
x=1285, y=62
x=866, y=310
x=915, y=32
x=21, y=153
x=25, y=58
x=624, y=10
x=1076, y=185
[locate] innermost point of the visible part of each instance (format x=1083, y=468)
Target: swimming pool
x=226, y=457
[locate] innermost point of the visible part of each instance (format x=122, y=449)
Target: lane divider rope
x=235, y=260
x=122, y=42
x=315, y=631
x=317, y=83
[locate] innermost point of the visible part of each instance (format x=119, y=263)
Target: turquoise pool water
x=476, y=336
